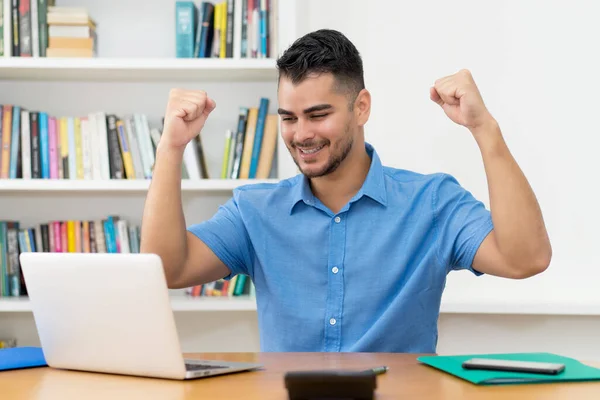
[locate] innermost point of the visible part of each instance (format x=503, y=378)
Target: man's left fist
x=460, y=99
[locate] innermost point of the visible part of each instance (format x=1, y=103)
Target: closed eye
x=319, y=115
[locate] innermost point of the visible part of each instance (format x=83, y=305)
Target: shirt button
x=332, y=321
x=337, y=220
x=334, y=270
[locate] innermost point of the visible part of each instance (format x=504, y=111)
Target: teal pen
x=379, y=370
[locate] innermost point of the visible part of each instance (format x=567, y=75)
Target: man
x=349, y=255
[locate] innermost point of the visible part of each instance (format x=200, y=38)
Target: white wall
x=533, y=64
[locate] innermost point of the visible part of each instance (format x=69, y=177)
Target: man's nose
x=303, y=132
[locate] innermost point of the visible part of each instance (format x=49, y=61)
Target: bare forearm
x=518, y=223
x=163, y=229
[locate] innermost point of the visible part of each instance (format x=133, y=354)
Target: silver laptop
x=107, y=312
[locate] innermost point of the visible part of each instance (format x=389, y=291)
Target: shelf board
x=241, y=303
x=137, y=69
x=178, y=303
x=119, y=185
x=14, y=304
x=245, y=303
x=517, y=308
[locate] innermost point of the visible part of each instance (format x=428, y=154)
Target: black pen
x=379, y=370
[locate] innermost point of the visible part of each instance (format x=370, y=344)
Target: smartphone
x=514, y=366
x=330, y=384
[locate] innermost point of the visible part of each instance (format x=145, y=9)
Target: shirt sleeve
x=462, y=223
x=226, y=235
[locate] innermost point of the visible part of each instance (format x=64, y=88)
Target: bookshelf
x=134, y=71
x=244, y=303
x=178, y=304
x=121, y=185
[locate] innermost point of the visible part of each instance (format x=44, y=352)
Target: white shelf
x=178, y=303
x=241, y=303
x=520, y=308
x=119, y=185
x=136, y=69
x=245, y=303
x=14, y=304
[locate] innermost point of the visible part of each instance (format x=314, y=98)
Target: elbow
x=173, y=285
x=174, y=282
x=535, y=266
x=173, y=277
x=543, y=260
x=171, y=274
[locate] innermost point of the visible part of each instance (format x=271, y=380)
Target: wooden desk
x=406, y=379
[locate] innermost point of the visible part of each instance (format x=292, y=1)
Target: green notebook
x=574, y=370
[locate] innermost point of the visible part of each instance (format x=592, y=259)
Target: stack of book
x=39, y=28
x=226, y=29
x=112, y=234
x=37, y=145
x=24, y=28
x=71, y=33
x=239, y=285
x=250, y=149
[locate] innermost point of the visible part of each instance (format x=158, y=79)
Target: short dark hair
x=324, y=51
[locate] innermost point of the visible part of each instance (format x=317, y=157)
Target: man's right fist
x=187, y=111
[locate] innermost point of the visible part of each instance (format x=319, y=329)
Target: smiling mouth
x=310, y=151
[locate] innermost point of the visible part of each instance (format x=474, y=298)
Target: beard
x=337, y=154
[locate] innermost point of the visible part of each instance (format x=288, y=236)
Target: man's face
x=316, y=124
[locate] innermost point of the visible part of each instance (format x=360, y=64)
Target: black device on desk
x=332, y=384
x=514, y=366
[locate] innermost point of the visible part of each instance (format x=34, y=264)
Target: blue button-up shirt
x=368, y=278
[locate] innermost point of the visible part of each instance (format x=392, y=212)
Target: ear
x=362, y=107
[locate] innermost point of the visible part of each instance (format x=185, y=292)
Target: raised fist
x=186, y=113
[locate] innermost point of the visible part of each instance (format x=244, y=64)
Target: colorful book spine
x=78, y=148
x=185, y=23
x=5, y=140
x=2, y=29
x=53, y=148
x=58, y=244
x=44, y=145
x=72, y=148
x=64, y=146
x=109, y=233
x=206, y=28
x=36, y=169
x=225, y=164
x=14, y=142
x=258, y=136
x=125, y=152
x=263, y=29
x=25, y=144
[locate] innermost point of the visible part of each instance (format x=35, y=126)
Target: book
x=260, y=130
x=100, y=145
x=21, y=357
x=452, y=364
x=226, y=29
x=31, y=28
x=185, y=25
x=112, y=234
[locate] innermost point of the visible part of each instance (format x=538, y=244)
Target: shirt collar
x=373, y=186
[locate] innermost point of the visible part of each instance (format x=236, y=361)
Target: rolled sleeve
x=226, y=235
x=462, y=223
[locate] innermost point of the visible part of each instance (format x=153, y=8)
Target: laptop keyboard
x=200, y=367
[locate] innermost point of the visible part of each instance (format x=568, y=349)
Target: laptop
x=110, y=313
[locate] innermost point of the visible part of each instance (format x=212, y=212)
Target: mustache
x=309, y=144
